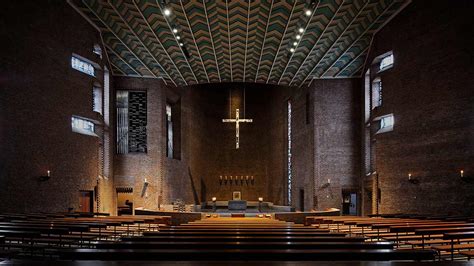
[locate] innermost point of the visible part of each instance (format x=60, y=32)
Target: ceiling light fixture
x=301, y=30
x=295, y=43
x=167, y=11
x=307, y=12
x=177, y=37
x=181, y=44
x=298, y=37
x=175, y=30
x=292, y=50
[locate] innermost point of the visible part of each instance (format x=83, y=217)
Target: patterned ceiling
x=264, y=41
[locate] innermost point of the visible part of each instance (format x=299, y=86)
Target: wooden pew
x=248, y=254
x=237, y=233
x=452, y=236
x=243, y=245
x=244, y=238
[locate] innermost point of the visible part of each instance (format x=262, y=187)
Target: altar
x=237, y=205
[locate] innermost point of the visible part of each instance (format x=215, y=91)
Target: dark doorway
x=349, y=203
x=301, y=199
x=86, y=201
x=125, y=201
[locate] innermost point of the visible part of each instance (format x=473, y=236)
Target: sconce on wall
x=412, y=179
x=45, y=177
x=327, y=184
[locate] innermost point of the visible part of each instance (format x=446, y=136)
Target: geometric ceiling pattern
x=275, y=42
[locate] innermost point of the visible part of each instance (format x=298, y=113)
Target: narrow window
x=82, y=126
x=386, y=62
x=173, y=129
x=97, y=99
x=82, y=65
x=386, y=123
x=376, y=93
x=289, y=174
x=131, y=122
x=169, y=131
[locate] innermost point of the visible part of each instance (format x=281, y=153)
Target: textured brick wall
x=429, y=90
x=132, y=169
x=40, y=92
x=336, y=139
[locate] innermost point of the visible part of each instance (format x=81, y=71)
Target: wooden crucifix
x=237, y=120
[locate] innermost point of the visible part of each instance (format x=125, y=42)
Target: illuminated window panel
x=386, y=62
x=83, y=66
x=82, y=126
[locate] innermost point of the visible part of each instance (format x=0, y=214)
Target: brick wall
x=336, y=140
x=40, y=92
x=429, y=90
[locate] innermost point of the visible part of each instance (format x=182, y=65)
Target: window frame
x=379, y=59
x=82, y=130
x=379, y=121
x=94, y=65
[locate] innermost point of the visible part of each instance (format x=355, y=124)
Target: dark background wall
x=430, y=92
x=39, y=94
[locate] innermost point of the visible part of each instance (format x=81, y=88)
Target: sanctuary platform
x=242, y=206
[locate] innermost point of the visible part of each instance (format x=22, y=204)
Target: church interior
x=200, y=132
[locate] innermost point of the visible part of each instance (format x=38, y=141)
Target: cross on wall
x=237, y=120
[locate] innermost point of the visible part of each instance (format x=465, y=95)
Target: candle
x=260, y=199
x=329, y=181
x=409, y=176
x=49, y=173
x=462, y=173
x=214, y=199
x=220, y=177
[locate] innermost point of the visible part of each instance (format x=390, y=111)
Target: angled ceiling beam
x=171, y=30
x=118, y=68
x=246, y=40
x=228, y=37
x=212, y=40
x=316, y=43
x=263, y=42
x=78, y=10
x=194, y=39
x=281, y=41
x=338, y=38
x=351, y=61
x=298, y=44
x=123, y=60
x=144, y=46
x=358, y=38
x=118, y=38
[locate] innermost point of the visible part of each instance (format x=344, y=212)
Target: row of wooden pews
x=45, y=235
x=238, y=239
x=450, y=237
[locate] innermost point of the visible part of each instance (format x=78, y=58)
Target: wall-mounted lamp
x=214, y=207
x=412, y=180
x=45, y=177
x=465, y=178
x=327, y=184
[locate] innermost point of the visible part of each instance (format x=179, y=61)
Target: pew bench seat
x=469, y=254
x=241, y=254
x=453, y=247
